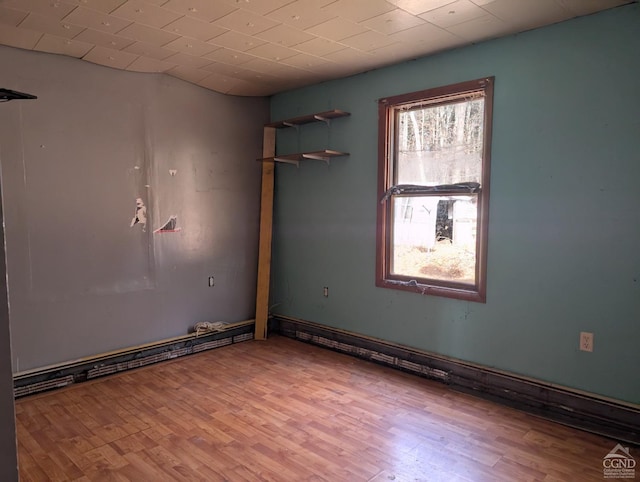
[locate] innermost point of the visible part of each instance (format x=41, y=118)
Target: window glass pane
x=435, y=237
x=440, y=144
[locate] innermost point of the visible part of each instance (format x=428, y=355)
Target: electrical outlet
x=211, y=281
x=586, y=341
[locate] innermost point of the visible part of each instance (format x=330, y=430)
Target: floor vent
x=42, y=386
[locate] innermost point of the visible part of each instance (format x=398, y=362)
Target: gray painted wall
x=82, y=281
x=8, y=456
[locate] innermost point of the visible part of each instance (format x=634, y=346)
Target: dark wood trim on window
x=386, y=108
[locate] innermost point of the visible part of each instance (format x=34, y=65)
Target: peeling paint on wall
x=169, y=227
x=141, y=215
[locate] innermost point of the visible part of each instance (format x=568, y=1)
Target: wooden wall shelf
x=324, y=155
x=308, y=119
x=266, y=200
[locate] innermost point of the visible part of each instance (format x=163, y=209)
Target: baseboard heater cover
x=374, y=355
x=607, y=417
x=47, y=379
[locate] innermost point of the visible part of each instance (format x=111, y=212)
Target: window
x=434, y=152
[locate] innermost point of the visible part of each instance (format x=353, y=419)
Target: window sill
x=459, y=293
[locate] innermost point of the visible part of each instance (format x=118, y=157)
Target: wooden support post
x=266, y=231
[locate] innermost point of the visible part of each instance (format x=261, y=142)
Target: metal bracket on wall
x=324, y=155
x=324, y=119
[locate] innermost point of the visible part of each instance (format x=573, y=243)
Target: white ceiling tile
x=307, y=77
x=528, y=13
x=391, y=54
x=18, y=37
x=64, y=46
x=145, y=13
x=194, y=28
x=229, y=56
x=109, y=57
x=244, y=88
x=358, y=10
x=103, y=39
x=291, y=72
x=393, y=21
x=244, y=75
x=85, y=17
x=236, y=41
x=149, y=50
x=285, y=76
x=260, y=6
x=271, y=51
x=337, y=29
x=306, y=62
x=268, y=79
x=256, y=47
x=320, y=46
x=422, y=34
x=481, y=28
x=10, y=16
x=218, y=82
x=225, y=69
x=189, y=74
x=145, y=64
x=234, y=71
x=424, y=40
x=350, y=57
x=285, y=73
x=285, y=35
x=191, y=46
x=207, y=10
x=104, y=6
x=263, y=66
x=187, y=60
x=346, y=66
x=335, y=70
x=368, y=41
x=245, y=22
x=454, y=13
x=57, y=10
x=301, y=14
x=157, y=3
x=150, y=35
x=416, y=7
x=41, y=23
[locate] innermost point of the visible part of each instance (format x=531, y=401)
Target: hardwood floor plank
x=281, y=410
x=30, y=470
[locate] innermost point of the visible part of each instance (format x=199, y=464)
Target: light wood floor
x=282, y=410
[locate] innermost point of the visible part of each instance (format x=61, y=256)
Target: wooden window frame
x=387, y=108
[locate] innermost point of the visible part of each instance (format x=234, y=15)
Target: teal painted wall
x=564, y=230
